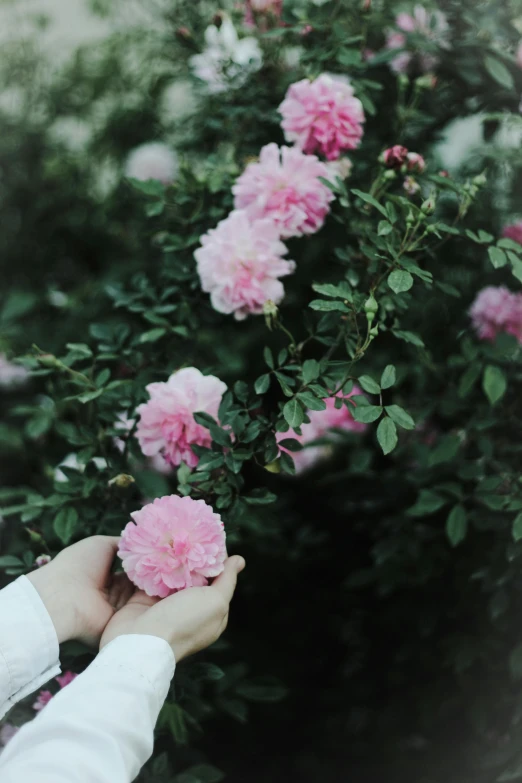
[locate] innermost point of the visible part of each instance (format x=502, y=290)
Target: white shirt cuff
x=29, y=649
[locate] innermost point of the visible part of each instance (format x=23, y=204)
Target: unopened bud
x=42, y=560
x=49, y=360
x=183, y=33
x=480, y=180
x=371, y=308
x=35, y=537
x=426, y=82
x=122, y=481
x=270, y=311
x=273, y=467
x=428, y=206
x=217, y=21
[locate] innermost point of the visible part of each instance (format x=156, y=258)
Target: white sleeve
x=28, y=643
x=100, y=728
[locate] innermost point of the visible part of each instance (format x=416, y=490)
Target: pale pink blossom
x=496, y=310
x=513, y=231
x=42, y=560
x=411, y=186
x=322, y=116
x=284, y=186
x=173, y=543
x=321, y=424
x=43, y=698
x=65, y=679
x=240, y=263
x=152, y=161
x=431, y=25
x=167, y=425
x=7, y=732
x=415, y=162
x=395, y=157
x=11, y=375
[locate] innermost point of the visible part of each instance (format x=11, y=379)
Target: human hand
x=78, y=590
x=189, y=620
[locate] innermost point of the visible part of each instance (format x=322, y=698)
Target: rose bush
x=351, y=414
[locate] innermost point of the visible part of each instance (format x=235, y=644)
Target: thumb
x=226, y=582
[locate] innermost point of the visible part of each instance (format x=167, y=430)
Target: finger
x=226, y=581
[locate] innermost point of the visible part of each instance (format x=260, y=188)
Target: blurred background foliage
x=368, y=638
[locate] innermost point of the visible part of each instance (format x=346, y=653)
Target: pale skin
x=86, y=602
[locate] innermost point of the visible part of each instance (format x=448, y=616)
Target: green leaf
x=468, y=379
x=388, y=377
x=516, y=268
x=515, y=662
x=409, y=337
x=152, y=187
x=341, y=291
x=293, y=413
x=427, y=503
x=445, y=450
x=497, y=257
x=268, y=357
x=499, y=72
x=201, y=773
x=290, y=444
x=312, y=402
x=494, y=383
x=260, y=497
x=287, y=463
x=154, y=208
x=262, y=384
x=369, y=385
x=65, y=523
x=311, y=370
x=509, y=244
x=400, y=281
x=152, y=335
x=366, y=414
x=89, y=396
x=387, y=435
x=370, y=200
x=10, y=561
x=456, y=525
x=384, y=228
x=400, y=417
x=325, y=306
x=517, y=527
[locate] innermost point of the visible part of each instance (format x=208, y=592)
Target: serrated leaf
x=152, y=335
x=262, y=384
x=388, y=377
x=293, y=413
x=312, y=402
x=497, y=257
x=369, y=385
x=400, y=417
x=499, y=72
x=366, y=414
x=387, y=435
x=325, y=306
x=456, y=525
x=370, y=200
x=311, y=370
x=494, y=383
x=400, y=281
x=65, y=523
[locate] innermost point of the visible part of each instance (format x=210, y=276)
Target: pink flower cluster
x=431, y=25
x=240, y=263
x=44, y=697
x=323, y=116
x=513, y=231
x=321, y=424
x=167, y=425
x=496, y=310
x=173, y=543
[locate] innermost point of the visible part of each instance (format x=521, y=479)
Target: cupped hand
x=79, y=591
x=189, y=620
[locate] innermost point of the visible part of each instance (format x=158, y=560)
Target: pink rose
x=167, y=425
x=173, y=543
x=395, y=157
x=285, y=187
x=323, y=116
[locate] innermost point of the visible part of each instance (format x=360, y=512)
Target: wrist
x=59, y=607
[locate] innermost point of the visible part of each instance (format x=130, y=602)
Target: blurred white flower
x=227, y=61
x=72, y=461
x=292, y=56
x=11, y=374
x=341, y=168
x=152, y=161
x=460, y=140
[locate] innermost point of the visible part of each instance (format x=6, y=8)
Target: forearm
x=28, y=643
x=101, y=727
